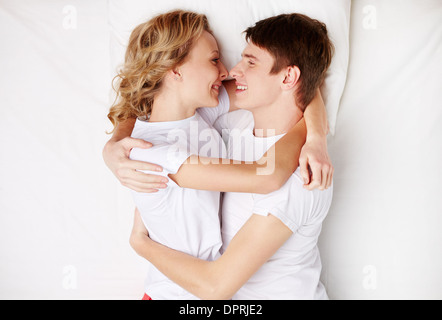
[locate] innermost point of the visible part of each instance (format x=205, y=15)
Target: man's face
x=255, y=86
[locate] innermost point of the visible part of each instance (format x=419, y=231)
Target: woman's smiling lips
x=216, y=86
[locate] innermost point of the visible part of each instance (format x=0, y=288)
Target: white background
x=65, y=220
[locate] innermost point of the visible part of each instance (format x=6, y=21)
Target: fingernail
x=165, y=180
x=159, y=169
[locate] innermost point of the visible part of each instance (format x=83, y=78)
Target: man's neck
x=276, y=119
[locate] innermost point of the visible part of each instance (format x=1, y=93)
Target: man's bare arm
x=116, y=156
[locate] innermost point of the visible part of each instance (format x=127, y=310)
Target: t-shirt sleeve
x=293, y=204
x=169, y=156
x=211, y=114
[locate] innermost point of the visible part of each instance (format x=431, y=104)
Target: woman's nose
x=223, y=71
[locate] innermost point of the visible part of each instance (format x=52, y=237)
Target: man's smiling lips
x=241, y=87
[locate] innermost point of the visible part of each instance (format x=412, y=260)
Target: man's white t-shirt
x=183, y=219
x=293, y=272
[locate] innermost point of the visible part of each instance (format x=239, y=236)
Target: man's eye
x=216, y=60
x=251, y=63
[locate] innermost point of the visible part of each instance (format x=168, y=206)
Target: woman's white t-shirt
x=183, y=219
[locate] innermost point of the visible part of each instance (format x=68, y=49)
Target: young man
x=269, y=241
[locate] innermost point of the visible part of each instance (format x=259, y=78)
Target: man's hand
x=116, y=157
x=316, y=167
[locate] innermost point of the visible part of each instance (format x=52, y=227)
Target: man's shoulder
x=296, y=203
x=293, y=193
x=297, y=183
x=239, y=120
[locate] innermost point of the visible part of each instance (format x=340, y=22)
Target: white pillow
x=229, y=18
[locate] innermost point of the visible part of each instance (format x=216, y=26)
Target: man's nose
x=236, y=71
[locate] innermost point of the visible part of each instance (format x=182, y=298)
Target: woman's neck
x=168, y=107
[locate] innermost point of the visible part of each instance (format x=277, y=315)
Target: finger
x=142, y=165
x=324, y=177
x=312, y=185
x=305, y=174
x=144, y=178
x=316, y=174
x=140, y=190
x=130, y=143
x=316, y=177
x=330, y=177
x=143, y=187
x=128, y=173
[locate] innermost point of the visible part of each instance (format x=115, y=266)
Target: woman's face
x=202, y=73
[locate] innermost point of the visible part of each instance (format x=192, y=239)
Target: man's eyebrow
x=248, y=55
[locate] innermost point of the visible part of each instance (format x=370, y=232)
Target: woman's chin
x=214, y=102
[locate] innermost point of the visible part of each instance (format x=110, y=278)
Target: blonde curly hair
x=154, y=48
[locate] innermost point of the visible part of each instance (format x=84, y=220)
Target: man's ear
x=292, y=75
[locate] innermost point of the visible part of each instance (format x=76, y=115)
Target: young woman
x=171, y=82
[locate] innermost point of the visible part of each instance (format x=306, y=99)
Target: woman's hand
x=316, y=167
x=116, y=156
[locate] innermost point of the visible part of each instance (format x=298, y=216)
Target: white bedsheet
x=382, y=238
x=65, y=220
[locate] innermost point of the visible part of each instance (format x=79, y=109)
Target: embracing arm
x=316, y=167
x=252, y=246
x=309, y=151
x=314, y=155
x=263, y=176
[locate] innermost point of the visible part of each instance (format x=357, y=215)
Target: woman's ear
x=292, y=75
x=175, y=74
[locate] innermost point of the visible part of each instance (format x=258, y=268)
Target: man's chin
x=243, y=106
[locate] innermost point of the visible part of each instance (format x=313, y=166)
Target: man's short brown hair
x=296, y=40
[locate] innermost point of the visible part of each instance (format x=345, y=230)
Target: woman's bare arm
x=316, y=167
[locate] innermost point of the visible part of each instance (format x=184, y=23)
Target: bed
x=65, y=220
